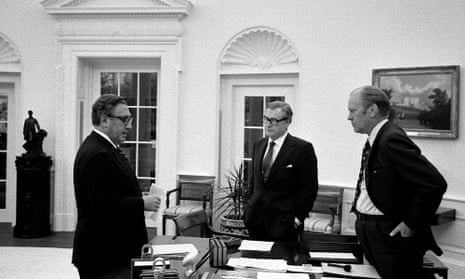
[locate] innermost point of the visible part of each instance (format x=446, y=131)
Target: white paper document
x=306, y=268
x=253, y=245
x=357, y=270
x=275, y=275
x=332, y=255
x=277, y=265
x=170, y=249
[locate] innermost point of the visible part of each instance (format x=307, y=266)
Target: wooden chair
x=193, y=194
x=322, y=242
x=196, y=224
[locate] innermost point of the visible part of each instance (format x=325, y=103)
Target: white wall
x=27, y=25
x=339, y=42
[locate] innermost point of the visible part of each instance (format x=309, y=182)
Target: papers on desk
x=174, y=249
x=274, y=275
x=277, y=265
x=357, y=270
x=253, y=245
x=332, y=256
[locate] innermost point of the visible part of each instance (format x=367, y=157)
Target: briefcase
x=150, y=266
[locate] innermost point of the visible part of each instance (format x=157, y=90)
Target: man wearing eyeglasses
x=284, y=181
x=111, y=224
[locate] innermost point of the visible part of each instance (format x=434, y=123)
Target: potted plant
x=231, y=201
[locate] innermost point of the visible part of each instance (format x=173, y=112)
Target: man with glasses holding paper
x=111, y=224
x=284, y=180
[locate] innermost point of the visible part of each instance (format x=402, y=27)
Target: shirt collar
x=102, y=134
x=375, y=130
x=279, y=141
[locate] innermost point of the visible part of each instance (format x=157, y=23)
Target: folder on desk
x=254, y=245
x=276, y=265
x=333, y=257
x=357, y=271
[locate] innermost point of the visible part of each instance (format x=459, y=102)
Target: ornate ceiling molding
x=117, y=8
x=259, y=47
x=8, y=53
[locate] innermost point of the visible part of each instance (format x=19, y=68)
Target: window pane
x=251, y=136
x=270, y=99
x=109, y=83
x=2, y=165
x=146, y=160
x=148, y=89
x=4, y=108
x=147, y=128
x=128, y=90
x=2, y=195
x=3, y=134
x=129, y=150
x=253, y=111
x=135, y=120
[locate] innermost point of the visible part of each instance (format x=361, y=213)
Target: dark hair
x=374, y=95
x=283, y=106
x=104, y=106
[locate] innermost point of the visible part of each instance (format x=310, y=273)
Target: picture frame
x=424, y=100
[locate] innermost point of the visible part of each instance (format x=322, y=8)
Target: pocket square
x=289, y=166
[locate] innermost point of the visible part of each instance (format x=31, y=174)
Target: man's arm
x=307, y=181
x=416, y=172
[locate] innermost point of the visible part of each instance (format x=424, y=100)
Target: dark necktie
x=121, y=152
x=267, y=161
x=363, y=165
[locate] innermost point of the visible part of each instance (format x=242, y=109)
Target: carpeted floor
x=36, y=263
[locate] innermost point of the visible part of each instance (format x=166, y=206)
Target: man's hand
x=297, y=222
x=151, y=202
x=404, y=230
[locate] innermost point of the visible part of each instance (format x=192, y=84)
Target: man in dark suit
x=111, y=224
x=397, y=193
x=284, y=180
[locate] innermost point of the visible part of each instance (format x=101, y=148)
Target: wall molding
x=259, y=47
x=8, y=51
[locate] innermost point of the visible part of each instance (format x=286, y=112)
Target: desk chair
x=326, y=213
x=196, y=224
x=193, y=194
x=323, y=242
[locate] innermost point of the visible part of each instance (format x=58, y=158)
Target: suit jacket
x=289, y=191
x=403, y=184
x=111, y=224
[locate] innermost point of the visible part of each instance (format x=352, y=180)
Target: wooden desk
x=293, y=253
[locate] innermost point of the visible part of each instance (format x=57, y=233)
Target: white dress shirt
x=364, y=204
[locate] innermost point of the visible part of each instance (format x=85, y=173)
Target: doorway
x=243, y=102
x=7, y=166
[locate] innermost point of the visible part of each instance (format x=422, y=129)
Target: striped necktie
x=267, y=161
x=363, y=165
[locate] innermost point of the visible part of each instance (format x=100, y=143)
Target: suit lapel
x=121, y=160
x=260, y=153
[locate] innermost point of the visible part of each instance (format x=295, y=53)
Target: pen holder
x=219, y=253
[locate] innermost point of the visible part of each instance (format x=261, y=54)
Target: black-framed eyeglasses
x=273, y=121
x=125, y=119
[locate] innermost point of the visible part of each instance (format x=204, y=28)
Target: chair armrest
x=238, y=235
x=205, y=198
x=168, y=193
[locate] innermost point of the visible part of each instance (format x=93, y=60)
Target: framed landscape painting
x=424, y=100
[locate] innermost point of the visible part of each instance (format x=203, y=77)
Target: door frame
x=227, y=114
x=12, y=87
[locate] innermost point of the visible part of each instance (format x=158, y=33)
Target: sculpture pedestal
x=33, y=196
